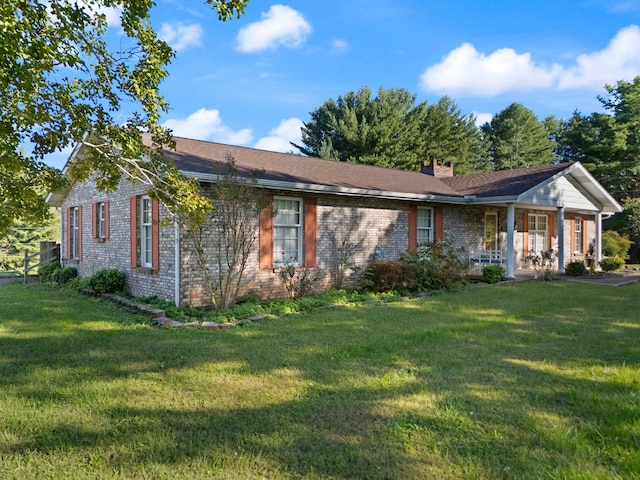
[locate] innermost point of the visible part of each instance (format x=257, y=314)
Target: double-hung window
x=74, y=232
x=145, y=231
x=101, y=220
x=425, y=224
x=578, y=246
x=538, y=233
x=287, y=231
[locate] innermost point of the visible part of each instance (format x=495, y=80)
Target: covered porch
x=560, y=217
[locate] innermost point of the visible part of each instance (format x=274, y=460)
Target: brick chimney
x=431, y=167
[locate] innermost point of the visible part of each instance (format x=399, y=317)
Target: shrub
x=388, y=275
x=575, y=269
x=107, y=281
x=493, y=273
x=297, y=280
x=64, y=275
x=614, y=244
x=46, y=271
x=611, y=264
x=437, y=265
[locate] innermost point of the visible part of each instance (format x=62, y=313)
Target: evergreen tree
x=389, y=130
x=515, y=138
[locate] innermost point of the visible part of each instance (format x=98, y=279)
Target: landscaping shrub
x=46, y=271
x=388, y=275
x=107, y=281
x=437, y=265
x=493, y=273
x=611, y=264
x=64, y=275
x=575, y=269
x=614, y=244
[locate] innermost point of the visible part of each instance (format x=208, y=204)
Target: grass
x=519, y=381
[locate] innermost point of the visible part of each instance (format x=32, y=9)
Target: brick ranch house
x=322, y=205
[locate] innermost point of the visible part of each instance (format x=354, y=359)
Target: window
x=425, y=224
x=491, y=231
x=578, y=246
x=537, y=233
x=287, y=231
x=101, y=220
x=74, y=232
x=145, y=232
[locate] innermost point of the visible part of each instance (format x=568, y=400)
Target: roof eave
x=337, y=190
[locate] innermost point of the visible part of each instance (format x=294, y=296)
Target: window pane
x=287, y=232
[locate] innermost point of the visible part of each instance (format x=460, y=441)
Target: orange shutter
x=133, y=230
x=94, y=222
x=413, y=227
x=79, y=232
x=438, y=213
x=552, y=229
x=106, y=219
x=525, y=233
x=68, y=230
x=155, y=235
x=585, y=248
x=266, y=237
x=310, y=232
x=573, y=235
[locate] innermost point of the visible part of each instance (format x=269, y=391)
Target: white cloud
x=482, y=118
x=620, y=60
x=181, y=36
x=207, y=125
x=339, y=45
x=467, y=71
x=280, y=26
x=280, y=138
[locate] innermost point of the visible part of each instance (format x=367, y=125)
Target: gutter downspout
x=176, y=263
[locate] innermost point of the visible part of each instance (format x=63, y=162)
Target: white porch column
x=511, y=226
x=560, y=228
x=598, y=245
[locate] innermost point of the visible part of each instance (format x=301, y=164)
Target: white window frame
x=74, y=233
x=287, y=231
x=577, y=235
x=491, y=219
x=101, y=229
x=424, y=224
x=538, y=237
x=145, y=220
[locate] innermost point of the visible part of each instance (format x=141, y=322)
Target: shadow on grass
x=462, y=385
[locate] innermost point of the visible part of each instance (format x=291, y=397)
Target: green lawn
x=519, y=381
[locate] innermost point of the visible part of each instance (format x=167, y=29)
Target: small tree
x=232, y=222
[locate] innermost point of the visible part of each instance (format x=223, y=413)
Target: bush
x=64, y=275
x=437, y=265
x=611, y=264
x=107, y=281
x=614, y=244
x=575, y=269
x=388, y=275
x=46, y=271
x=493, y=273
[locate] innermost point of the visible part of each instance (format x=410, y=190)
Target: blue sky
x=253, y=81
